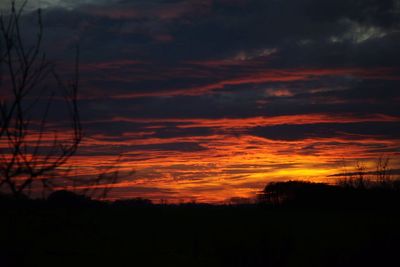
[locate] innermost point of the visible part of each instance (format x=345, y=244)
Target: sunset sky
x=207, y=100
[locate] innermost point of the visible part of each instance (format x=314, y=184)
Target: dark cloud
x=181, y=147
x=347, y=130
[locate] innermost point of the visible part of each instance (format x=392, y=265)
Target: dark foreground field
x=43, y=234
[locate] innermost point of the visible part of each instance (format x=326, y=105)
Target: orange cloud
x=234, y=165
x=229, y=165
x=230, y=123
x=272, y=75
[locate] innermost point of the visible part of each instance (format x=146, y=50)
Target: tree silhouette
x=31, y=152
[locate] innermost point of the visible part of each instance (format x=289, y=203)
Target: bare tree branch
x=31, y=153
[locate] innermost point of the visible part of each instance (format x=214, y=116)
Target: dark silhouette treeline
x=289, y=194
x=347, y=194
x=292, y=224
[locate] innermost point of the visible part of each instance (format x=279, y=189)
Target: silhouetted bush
x=240, y=201
x=299, y=192
x=344, y=195
x=133, y=202
x=68, y=198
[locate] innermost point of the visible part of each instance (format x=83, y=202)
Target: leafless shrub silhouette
x=360, y=181
x=360, y=177
x=27, y=156
x=353, y=178
x=383, y=175
x=100, y=186
x=34, y=153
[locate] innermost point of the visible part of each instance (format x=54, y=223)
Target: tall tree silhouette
x=31, y=152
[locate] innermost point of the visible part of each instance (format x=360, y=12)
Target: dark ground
x=46, y=234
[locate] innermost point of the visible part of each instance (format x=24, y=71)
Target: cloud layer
x=209, y=100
